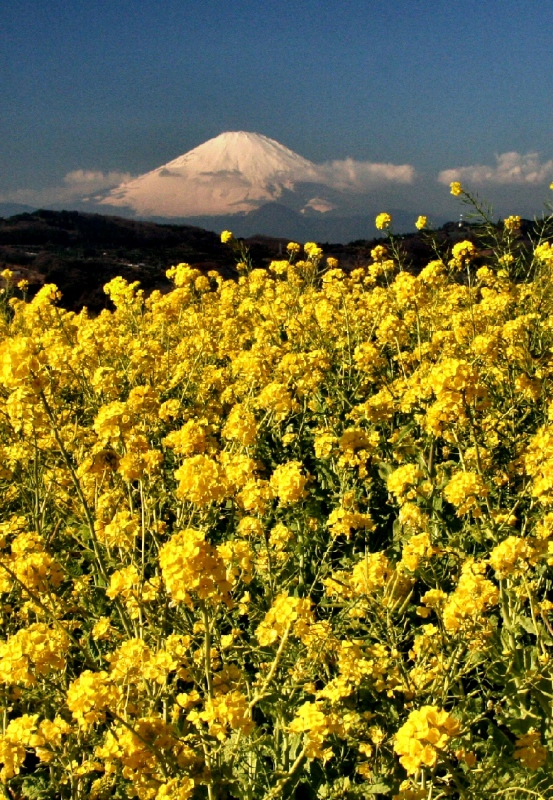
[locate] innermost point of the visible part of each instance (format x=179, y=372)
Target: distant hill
x=81, y=252
x=74, y=228
x=277, y=219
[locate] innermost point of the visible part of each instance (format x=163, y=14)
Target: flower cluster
x=424, y=737
x=383, y=221
x=189, y=564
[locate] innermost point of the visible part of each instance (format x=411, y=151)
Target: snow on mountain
x=240, y=172
x=234, y=172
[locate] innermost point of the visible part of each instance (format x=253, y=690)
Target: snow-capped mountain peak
x=255, y=156
x=236, y=171
x=239, y=172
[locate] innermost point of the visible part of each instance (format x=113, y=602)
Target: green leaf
x=384, y=469
x=377, y=788
x=526, y=623
x=37, y=788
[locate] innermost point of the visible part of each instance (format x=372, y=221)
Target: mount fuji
x=254, y=184
x=232, y=173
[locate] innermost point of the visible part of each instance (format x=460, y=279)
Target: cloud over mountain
x=240, y=171
x=362, y=176
x=76, y=185
x=510, y=168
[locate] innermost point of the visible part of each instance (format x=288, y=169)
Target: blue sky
x=120, y=87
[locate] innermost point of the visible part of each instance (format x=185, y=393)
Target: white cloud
x=319, y=204
x=510, y=168
x=76, y=185
x=94, y=179
x=361, y=176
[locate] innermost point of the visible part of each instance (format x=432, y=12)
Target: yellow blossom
x=89, y=697
x=530, y=751
x=191, y=566
x=466, y=490
x=383, y=221
x=512, y=224
x=288, y=482
x=421, y=739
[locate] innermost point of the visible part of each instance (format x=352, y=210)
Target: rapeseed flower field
x=289, y=536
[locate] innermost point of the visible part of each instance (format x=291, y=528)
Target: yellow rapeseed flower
x=512, y=223
x=530, y=751
x=425, y=735
x=383, y=221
